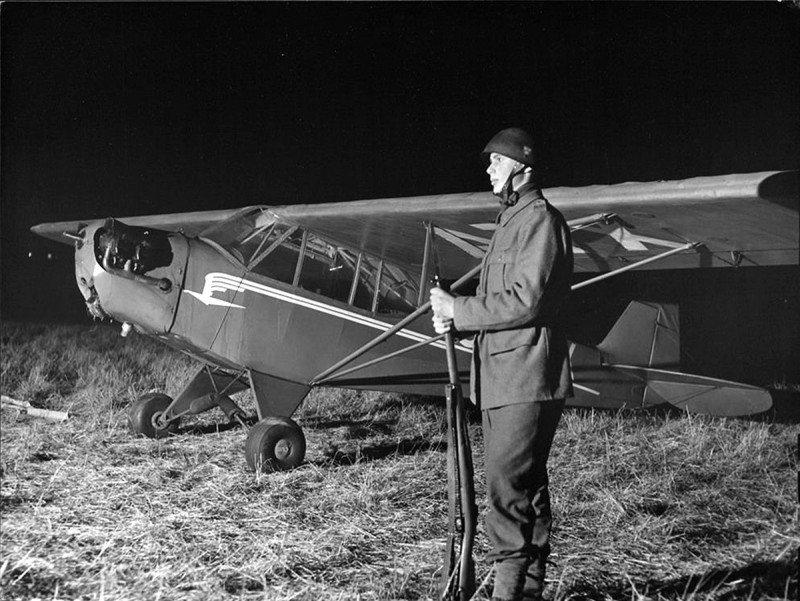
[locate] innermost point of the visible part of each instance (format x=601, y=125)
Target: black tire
x=144, y=413
x=275, y=444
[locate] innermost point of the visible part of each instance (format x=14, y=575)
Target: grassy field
x=648, y=506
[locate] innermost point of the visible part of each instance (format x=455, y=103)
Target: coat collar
x=528, y=195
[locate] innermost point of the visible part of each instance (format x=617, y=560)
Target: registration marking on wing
x=221, y=282
x=621, y=235
x=630, y=241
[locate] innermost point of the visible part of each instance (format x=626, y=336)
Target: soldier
x=520, y=362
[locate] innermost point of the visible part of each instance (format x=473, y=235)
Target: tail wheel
x=275, y=444
x=145, y=414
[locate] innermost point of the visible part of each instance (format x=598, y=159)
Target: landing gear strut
x=274, y=444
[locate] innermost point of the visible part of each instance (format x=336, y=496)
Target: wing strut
x=380, y=359
x=425, y=262
x=421, y=310
x=611, y=274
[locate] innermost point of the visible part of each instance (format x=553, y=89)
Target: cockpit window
x=291, y=255
x=352, y=277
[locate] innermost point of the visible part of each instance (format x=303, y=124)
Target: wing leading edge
x=737, y=219
x=190, y=224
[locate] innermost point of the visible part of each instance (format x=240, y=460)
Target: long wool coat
x=521, y=353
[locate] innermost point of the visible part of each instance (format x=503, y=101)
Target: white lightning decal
x=218, y=282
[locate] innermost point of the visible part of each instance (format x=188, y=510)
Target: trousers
x=517, y=441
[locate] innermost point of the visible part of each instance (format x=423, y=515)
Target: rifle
x=458, y=576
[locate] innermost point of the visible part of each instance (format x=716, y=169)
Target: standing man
x=520, y=361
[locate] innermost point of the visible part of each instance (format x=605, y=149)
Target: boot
x=509, y=580
x=534, y=580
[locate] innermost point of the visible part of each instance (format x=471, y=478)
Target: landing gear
x=145, y=416
x=275, y=444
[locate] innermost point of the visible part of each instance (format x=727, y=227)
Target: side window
x=277, y=253
x=288, y=254
x=319, y=272
x=327, y=270
x=397, y=293
x=331, y=271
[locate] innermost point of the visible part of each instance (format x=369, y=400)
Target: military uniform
x=520, y=378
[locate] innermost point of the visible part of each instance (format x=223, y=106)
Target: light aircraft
x=280, y=299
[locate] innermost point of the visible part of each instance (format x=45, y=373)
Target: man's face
x=500, y=167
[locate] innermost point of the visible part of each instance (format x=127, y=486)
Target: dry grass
x=648, y=506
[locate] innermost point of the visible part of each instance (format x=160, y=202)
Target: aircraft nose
x=84, y=277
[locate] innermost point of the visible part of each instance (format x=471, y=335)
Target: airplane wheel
x=144, y=413
x=275, y=444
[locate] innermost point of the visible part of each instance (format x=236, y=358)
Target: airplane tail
x=644, y=343
x=645, y=335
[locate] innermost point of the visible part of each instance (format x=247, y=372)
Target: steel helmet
x=514, y=143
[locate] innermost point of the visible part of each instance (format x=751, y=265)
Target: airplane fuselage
x=230, y=317
x=283, y=332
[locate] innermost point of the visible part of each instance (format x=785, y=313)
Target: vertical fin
x=645, y=335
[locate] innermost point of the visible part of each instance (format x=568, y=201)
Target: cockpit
x=264, y=245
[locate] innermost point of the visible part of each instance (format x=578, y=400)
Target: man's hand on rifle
x=442, y=305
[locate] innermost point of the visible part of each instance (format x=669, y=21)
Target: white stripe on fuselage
x=220, y=282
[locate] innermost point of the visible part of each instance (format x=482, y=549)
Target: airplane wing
x=738, y=219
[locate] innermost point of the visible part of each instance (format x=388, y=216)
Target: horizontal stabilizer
x=699, y=394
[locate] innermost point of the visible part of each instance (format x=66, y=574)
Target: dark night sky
x=123, y=109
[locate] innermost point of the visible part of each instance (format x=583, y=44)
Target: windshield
x=243, y=234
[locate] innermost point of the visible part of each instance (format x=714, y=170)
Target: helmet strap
x=509, y=196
